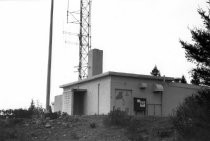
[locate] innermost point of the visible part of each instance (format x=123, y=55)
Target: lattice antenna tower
x=84, y=21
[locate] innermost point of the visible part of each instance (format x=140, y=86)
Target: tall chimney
x=95, y=62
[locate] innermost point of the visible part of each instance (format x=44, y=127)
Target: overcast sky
x=135, y=35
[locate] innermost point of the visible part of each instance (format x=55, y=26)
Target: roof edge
x=85, y=80
x=111, y=73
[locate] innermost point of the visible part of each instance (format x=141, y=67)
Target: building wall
x=97, y=98
x=58, y=103
x=174, y=95
x=157, y=103
x=67, y=102
x=115, y=92
x=133, y=84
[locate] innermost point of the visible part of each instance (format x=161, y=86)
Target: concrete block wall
x=97, y=98
x=67, y=102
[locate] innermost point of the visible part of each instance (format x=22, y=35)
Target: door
x=78, y=104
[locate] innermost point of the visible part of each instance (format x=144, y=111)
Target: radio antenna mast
x=49, y=59
x=84, y=35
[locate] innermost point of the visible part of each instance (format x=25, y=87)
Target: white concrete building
x=58, y=103
x=136, y=94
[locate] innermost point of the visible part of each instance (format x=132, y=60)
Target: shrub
x=163, y=132
x=36, y=111
x=93, y=125
x=65, y=116
x=53, y=115
x=74, y=136
x=12, y=134
x=117, y=118
x=16, y=113
x=135, y=130
x=21, y=113
x=192, y=119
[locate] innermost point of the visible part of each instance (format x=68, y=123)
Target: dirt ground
x=82, y=128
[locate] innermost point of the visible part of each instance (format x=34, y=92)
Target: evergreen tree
x=155, y=71
x=195, y=80
x=32, y=107
x=183, y=80
x=198, y=51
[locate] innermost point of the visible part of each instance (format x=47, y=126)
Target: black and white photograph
x=104, y=70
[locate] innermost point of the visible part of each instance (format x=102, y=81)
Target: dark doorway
x=78, y=106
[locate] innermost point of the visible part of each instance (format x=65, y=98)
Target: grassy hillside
x=86, y=128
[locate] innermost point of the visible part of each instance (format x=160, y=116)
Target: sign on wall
x=139, y=104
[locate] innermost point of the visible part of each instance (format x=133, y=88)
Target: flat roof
x=120, y=74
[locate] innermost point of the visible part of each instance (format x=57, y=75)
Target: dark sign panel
x=139, y=104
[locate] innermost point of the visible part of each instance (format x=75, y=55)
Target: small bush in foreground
x=55, y=115
x=135, y=130
x=93, y=125
x=192, y=118
x=117, y=118
x=12, y=134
